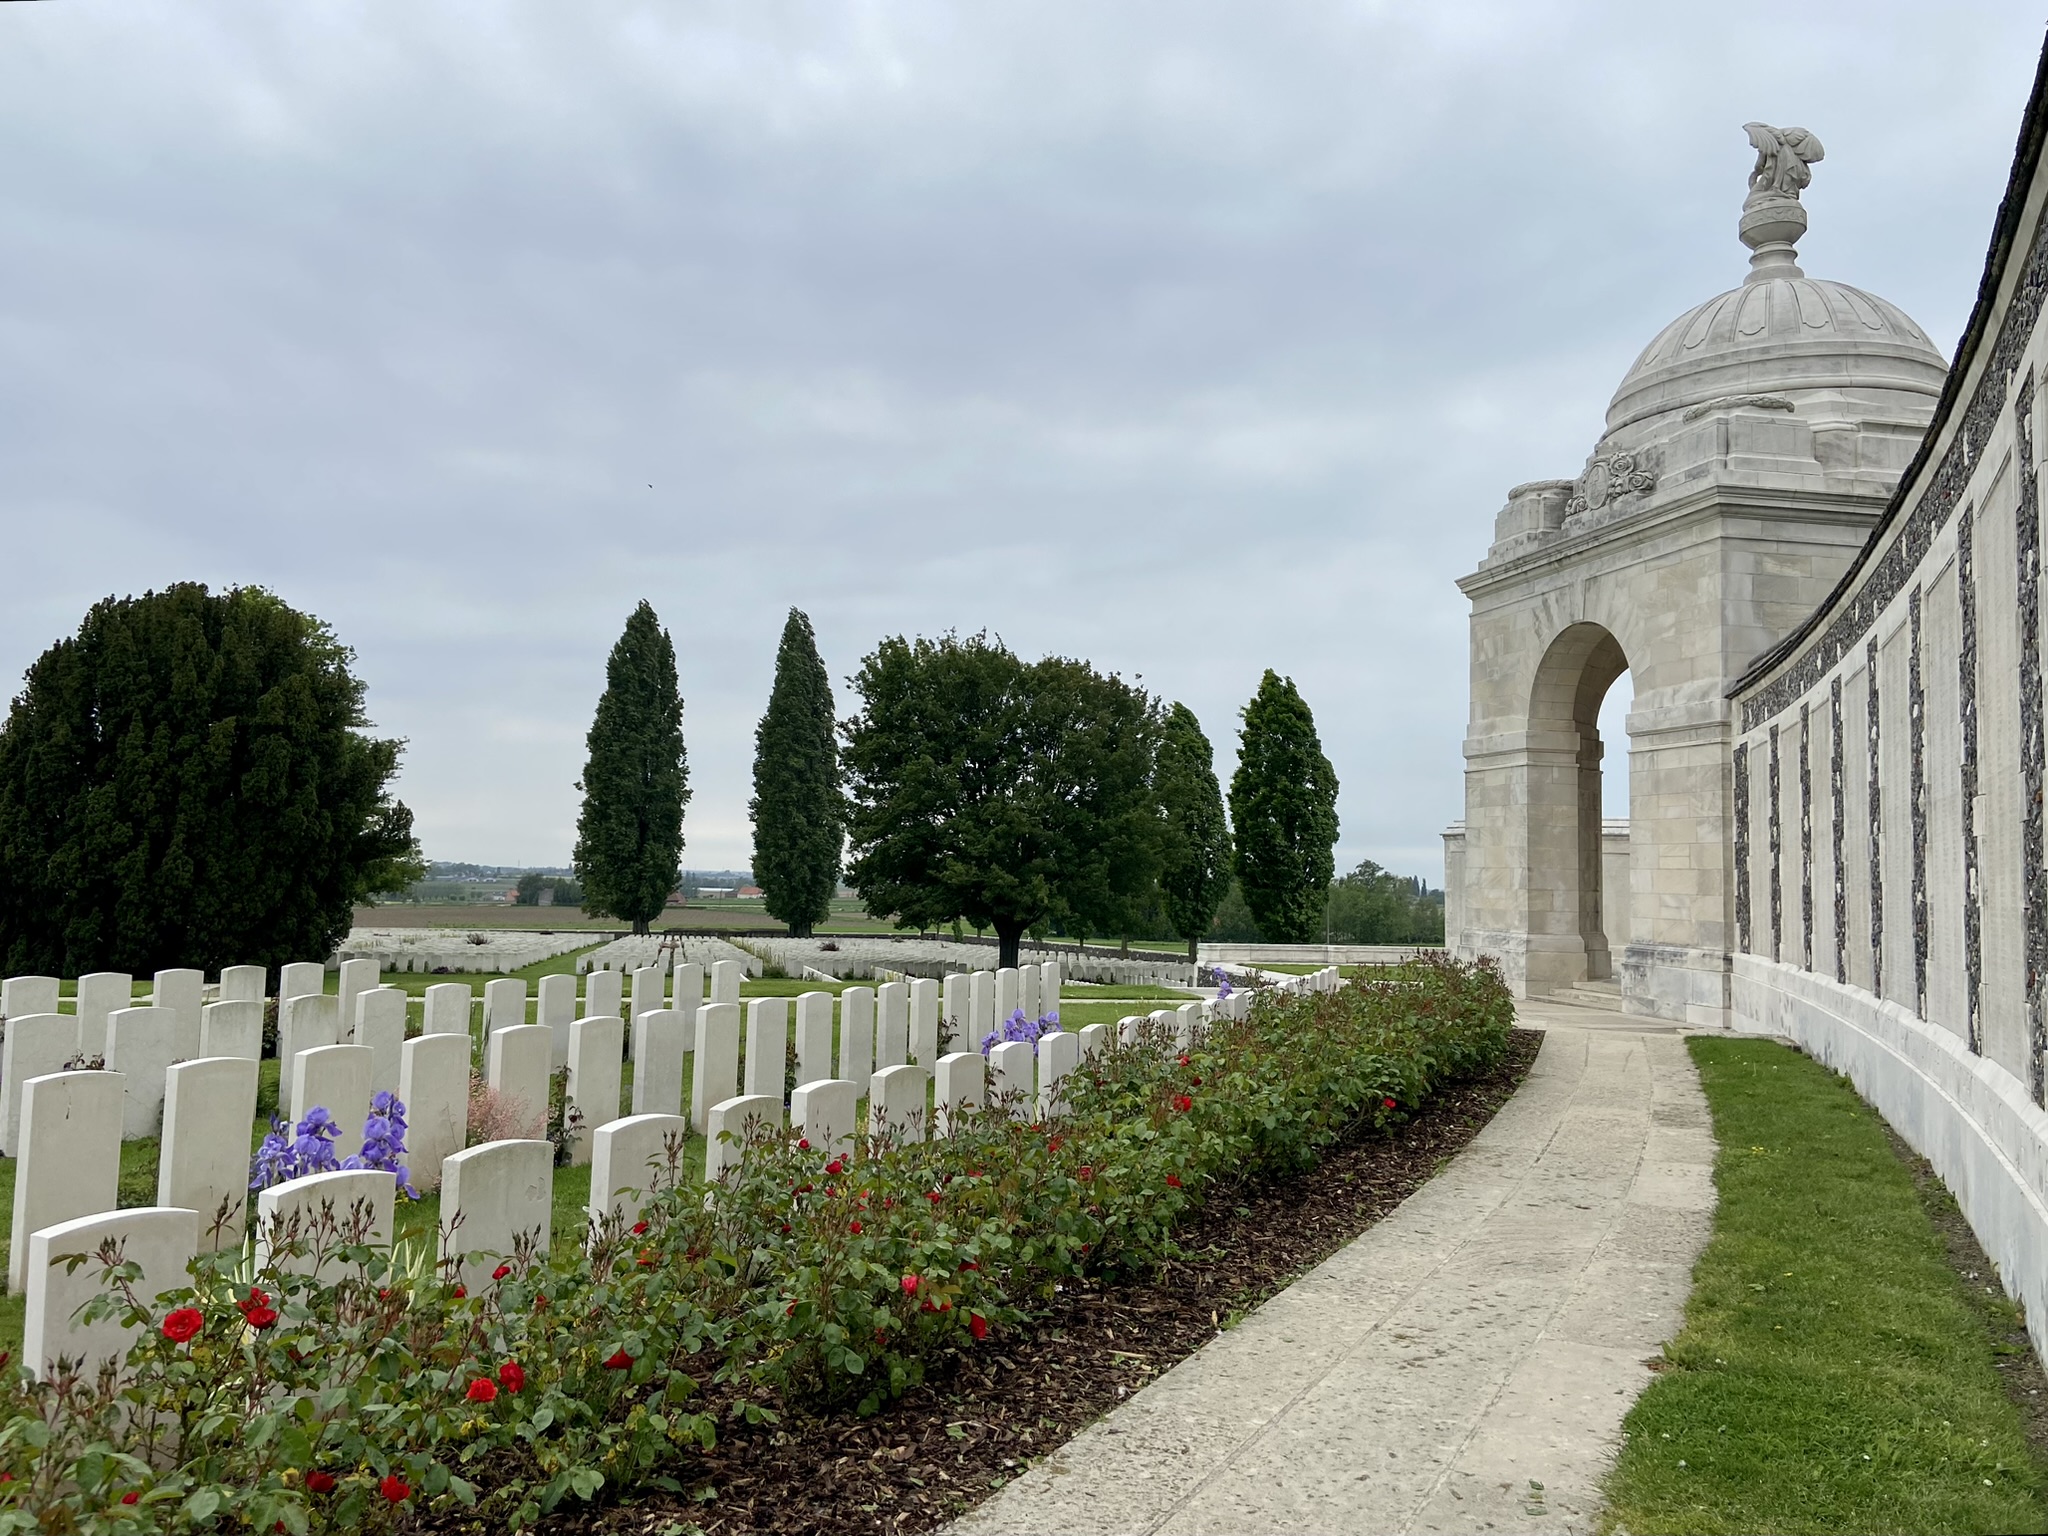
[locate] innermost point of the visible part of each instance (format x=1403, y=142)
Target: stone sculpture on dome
x=1784, y=160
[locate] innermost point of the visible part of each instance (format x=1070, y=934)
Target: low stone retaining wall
x=1314, y=954
x=1966, y=1115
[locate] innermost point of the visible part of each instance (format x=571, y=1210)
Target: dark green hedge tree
x=1002, y=792
x=799, y=815
x=629, y=836
x=189, y=781
x=1195, y=868
x=1283, y=805
x=1370, y=906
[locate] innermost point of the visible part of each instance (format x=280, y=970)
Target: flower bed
x=807, y=1281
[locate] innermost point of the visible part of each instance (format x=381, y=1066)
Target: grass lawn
x=1834, y=1373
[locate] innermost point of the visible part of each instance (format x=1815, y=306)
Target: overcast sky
x=1190, y=338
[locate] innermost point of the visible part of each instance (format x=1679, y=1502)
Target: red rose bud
x=853, y=1227
x=130, y=1497
x=977, y=1325
x=482, y=1390
x=1085, y=1172
x=835, y=1166
x=621, y=1361
x=1386, y=1103
x=639, y=1229
x=511, y=1377
x=1173, y=1181
x=804, y=1144
x=909, y=1283
x=501, y=1271
x=461, y=1291
x=319, y=1482
x=396, y=1490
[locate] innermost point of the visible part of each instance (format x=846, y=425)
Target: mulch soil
x=982, y=1417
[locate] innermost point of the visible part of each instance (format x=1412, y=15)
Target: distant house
x=751, y=890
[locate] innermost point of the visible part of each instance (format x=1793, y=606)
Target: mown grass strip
x=1831, y=1375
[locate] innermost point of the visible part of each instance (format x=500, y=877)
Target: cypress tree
x=799, y=817
x=1283, y=803
x=1196, y=869
x=188, y=782
x=629, y=837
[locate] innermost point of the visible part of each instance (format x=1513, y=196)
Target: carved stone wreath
x=1608, y=479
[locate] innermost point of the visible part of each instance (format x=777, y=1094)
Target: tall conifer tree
x=1196, y=870
x=799, y=816
x=629, y=837
x=1283, y=804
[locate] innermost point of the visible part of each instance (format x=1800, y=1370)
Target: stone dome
x=1785, y=334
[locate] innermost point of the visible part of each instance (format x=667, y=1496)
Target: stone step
x=1604, y=995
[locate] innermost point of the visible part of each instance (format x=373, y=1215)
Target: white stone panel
x=24, y=995
x=321, y=1211
x=300, y=978
x=305, y=1022
x=244, y=984
x=182, y=992
x=1012, y=1078
x=1058, y=1054
x=449, y=1005
x=335, y=1078
x=504, y=1004
x=729, y=1123
x=892, y=1025
x=603, y=995
x=380, y=1028
x=981, y=1007
x=857, y=1033
x=959, y=1084
x=557, y=1011
x=232, y=1029
x=725, y=981
x=356, y=976
x=100, y=993
x=927, y=1033
x=896, y=1104
x=36, y=1045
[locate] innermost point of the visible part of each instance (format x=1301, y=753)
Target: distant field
x=846, y=918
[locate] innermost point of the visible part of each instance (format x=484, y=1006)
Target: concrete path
x=1463, y=1366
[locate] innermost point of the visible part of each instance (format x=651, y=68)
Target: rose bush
x=813, y=1279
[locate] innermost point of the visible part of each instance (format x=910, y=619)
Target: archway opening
x=1568, y=797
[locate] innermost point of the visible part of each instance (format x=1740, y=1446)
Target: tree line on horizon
x=190, y=780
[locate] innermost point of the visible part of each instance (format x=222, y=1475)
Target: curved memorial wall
x=1891, y=878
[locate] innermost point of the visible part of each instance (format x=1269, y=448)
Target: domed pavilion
x=1746, y=456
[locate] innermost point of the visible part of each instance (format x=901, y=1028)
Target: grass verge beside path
x=1832, y=1374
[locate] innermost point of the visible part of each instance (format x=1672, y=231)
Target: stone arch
x=1565, y=851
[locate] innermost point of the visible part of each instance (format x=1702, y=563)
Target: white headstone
x=380, y=1027
x=504, y=1191
x=300, y=978
x=725, y=981
x=1011, y=1078
x=99, y=995
x=597, y=1051
x=232, y=1029
x=558, y=1011
x=69, y=1162
x=813, y=1037
x=927, y=1042
x=162, y=1242
x=689, y=989
x=318, y=1210
x=181, y=991
x=209, y=1105
x=433, y=1084
x=857, y=1033
x=449, y=1005
x=603, y=994
x=896, y=1103
x=981, y=1008
x=516, y=1065
x=959, y=1084
x=1009, y=993
x=1028, y=977
x=1130, y=1027
x=37, y=1044
x=504, y=1004
x=21, y=996
x=956, y=1007
x=243, y=984
x=825, y=1114
x=767, y=1047
x=631, y=1159
x=335, y=1078
x=304, y=1022
x=648, y=981
x=1187, y=1019
x=660, y=1037
x=715, y=1075
x=892, y=1025
x=729, y=1123
x=1095, y=1039
x=1058, y=1054
x=356, y=978
x=1050, y=976
x=141, y=1045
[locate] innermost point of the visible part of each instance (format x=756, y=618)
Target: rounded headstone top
x=1782, y=333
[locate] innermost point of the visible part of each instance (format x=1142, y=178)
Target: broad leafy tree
x=1370, y=906
x=799, y=817
x=1283, y=806
x=1194, y=872
x=190, y=781
x=629, y=837
x=1002, y=792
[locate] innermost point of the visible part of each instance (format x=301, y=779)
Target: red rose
x=977, y=1325
x=396, y=1490
x=1085, y=1172
x=1173, y=1181
x=1183, y=1103
x=319, y=1482
x=970, y=1264
x=620, y=1361
x=1386, y=1103
x=482, y=1390
x=130, y=1497
x=501, y=1271
x=540, y=1302
x=461, y=1291
x=837, y=1165
x=804, y=1144
x=853, y=1227
x=934, y=1196
x=639, y=1229
x=909, y=1284
x=511, y=1377
x=1183, y=1061
x=183, y=1324
x=260, y=1317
